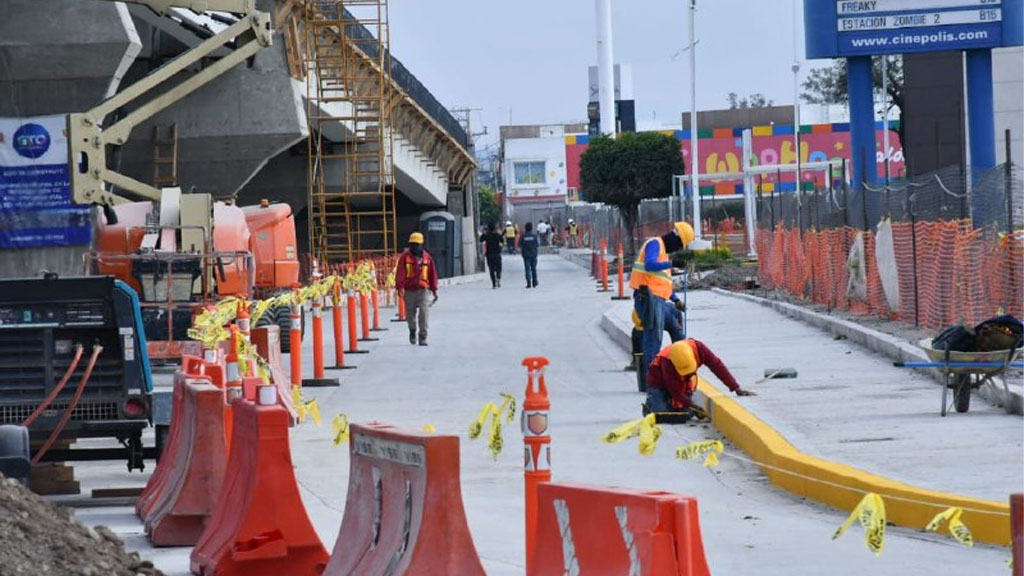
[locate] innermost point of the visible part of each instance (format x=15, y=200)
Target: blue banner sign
x=871, y=27
x=35, y=188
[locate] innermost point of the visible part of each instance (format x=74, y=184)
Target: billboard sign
x=35, y=187
x=847, y=28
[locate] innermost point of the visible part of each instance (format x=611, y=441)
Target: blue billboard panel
x=844, y=28
x=35, y=186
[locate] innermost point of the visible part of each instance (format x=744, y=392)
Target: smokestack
x=605, y=66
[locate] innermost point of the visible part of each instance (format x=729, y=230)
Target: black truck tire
x=281, y=315
x=962, y=393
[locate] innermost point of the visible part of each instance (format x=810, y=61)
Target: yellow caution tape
x=497, y=440
x=300, y=405
x=340, y=427
x=646, y=428
x=709, y=449
x=478, y=425
x=313, y=409
x=496, y=436
x=429, y=429
x=871, y=513
x=959, y=530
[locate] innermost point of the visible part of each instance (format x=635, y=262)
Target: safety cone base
x=621, y=298
x=378, y=329
x=320, y=382
x=357, y=351
x=398, y=320
x=368, y=339
x=342, y=367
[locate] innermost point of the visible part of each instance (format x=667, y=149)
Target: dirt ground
x=38, y=538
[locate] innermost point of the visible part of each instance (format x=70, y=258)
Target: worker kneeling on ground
x=672, y=377
x=651, y=281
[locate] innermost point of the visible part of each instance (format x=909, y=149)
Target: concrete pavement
x=478, y=339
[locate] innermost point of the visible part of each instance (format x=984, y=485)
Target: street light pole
x=796, y=100
x=605, y=67
x=694, y=163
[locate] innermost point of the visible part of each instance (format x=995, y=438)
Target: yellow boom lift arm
x=88, y=138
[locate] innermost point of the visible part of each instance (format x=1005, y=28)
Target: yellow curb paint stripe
x=906, y=505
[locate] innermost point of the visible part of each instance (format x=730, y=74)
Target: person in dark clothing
x=528, y=245
x=492, y=241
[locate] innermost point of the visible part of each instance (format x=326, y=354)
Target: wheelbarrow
x=965, y=371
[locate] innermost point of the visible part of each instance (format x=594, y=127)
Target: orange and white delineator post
x=295, y=335
x=339, y=332
x=537, y=445
x=353, y=329
x=603, y=265
x=364, y=317
x=233, y=375
x=622, y=276
x=319, y=379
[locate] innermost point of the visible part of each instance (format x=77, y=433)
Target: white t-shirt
x=542, y=228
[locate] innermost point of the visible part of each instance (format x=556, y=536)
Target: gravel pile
x=38, y=538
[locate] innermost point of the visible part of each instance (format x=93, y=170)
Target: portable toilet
x=441, y=239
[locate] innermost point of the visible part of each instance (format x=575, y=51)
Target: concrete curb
x=885, y=344
x=838, y=485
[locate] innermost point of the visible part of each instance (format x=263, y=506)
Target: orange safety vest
x=659, y=282
x=410, y=261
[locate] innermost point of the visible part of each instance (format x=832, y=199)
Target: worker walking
x=529, y=245
x=510, y=237
x=415, y=278
x=491, y=239
x=651, y=281
x=672, y=377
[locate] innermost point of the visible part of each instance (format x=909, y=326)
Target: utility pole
x=605, y=67
x=694, y=158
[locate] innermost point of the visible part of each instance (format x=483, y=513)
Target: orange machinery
x=178, y=268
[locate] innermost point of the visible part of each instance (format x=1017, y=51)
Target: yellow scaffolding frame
x=350, y=107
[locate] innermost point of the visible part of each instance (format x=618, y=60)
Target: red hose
x=60, y=386
x=96, y=349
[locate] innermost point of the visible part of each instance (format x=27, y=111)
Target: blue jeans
x=651, y=311
x=658, y=400
x=531, y=270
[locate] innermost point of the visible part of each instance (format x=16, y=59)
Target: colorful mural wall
x=721, y=150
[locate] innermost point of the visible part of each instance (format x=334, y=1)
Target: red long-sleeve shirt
x=410, y=272
x=663, y=374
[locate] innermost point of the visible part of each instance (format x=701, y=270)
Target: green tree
x=829, y=85
x=490, y=212
x=623, y=171
x=755, y=100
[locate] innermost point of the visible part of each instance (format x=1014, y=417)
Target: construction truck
x=178, y=251
x=188, y=252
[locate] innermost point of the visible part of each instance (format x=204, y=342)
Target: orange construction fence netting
x=949, y=272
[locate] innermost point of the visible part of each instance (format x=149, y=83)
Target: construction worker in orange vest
x=415, y=277
x=651, y=281
x=672, y=377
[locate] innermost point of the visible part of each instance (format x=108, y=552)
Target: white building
x=533, y=167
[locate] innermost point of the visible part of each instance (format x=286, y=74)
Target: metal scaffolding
x=350, y=106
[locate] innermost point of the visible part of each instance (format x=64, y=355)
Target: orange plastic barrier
x=611, y=531
x=259, y=526
x=156, y=482
x=179, y=513
x=267, y=340
x=1017, y=530
x=404, y=513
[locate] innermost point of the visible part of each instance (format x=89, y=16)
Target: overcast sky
x=527, y=59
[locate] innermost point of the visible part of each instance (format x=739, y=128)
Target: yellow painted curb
x=843, y=486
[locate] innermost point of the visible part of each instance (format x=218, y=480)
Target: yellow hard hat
x=685, y=232
x=682, y=357
x=417, y=238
